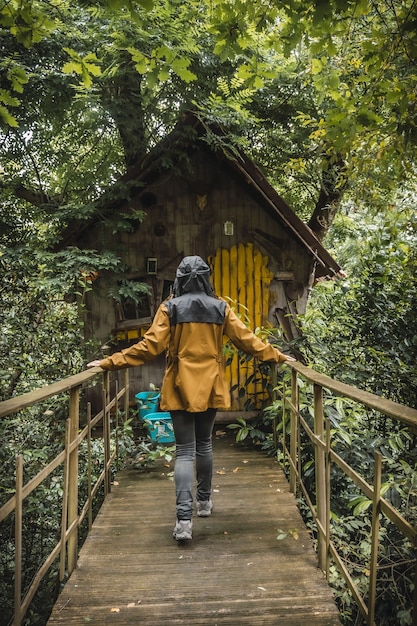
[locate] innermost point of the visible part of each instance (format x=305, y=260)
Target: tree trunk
x=333, y=184
x=122, y=98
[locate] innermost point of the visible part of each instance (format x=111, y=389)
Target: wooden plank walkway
x=234, y=571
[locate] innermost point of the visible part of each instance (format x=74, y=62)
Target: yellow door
x=241, y=276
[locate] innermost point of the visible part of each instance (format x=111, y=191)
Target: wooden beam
x=404, y=414
x=8, y=407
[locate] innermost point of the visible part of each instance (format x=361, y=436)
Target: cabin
x=196, y=197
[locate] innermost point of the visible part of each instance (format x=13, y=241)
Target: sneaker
x=183, y=530
x=204, y=508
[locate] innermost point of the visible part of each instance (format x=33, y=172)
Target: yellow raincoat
x=194, y=378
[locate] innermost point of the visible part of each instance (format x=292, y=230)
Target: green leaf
x=7, y=117
x=316, y=66
x=82, y=66
x=18, y=77
x=71, y=67
x=180, y=67
x=360, y=504
x=7, y=98
x=282, y=535
x=163, y=74
x=140, y=60
x=95, y=70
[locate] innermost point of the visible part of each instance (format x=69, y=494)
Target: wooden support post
x=126, y=384
x=89, y=468
x=74, y=416
x=106, y=431
x=415, y=591
x=64, y=512
x=294, y=431
x=328, y=491
x=274, y=370
x=106, y=456
x=18, y=543
x=373, y=566
x=284, y=424
x=116, y=430
x=320, y=474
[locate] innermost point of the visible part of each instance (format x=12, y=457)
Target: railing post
x=328, y=493
x=74, y=416
x=89, y=468
x=376, y=509
x=106, y=431
x=415, y=592
x=126, y=384
x=274, y=397
x=284, y=424
x=64, y=512
x=116, y=430
x=320, y=465
x=18, y=543
x=294, y=431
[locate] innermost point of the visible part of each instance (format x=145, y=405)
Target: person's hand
x=95, y=363
x=289, y=358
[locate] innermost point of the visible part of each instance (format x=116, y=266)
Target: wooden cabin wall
x=205, y=212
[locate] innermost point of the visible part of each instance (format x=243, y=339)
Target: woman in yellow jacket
x=190, y=327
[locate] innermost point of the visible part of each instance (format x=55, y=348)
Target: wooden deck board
x=234, y=571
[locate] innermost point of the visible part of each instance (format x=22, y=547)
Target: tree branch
x=37, y=198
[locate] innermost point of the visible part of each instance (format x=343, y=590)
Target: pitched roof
x=189, y=130
x=326, y=265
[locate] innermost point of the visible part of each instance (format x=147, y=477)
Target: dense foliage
x=364, y=330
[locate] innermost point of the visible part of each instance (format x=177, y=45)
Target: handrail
x=324, y=456
x=9, y=407
x=73, y=512
x=400, y=412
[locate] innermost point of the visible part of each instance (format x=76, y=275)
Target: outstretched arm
x=152, y=343
x=244, y=339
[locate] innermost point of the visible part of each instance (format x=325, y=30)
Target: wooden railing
x=73, y=512
x=324, y=457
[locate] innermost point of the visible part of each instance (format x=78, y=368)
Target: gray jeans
x=193, y=442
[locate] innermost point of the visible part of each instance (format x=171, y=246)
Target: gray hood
x=193, y=276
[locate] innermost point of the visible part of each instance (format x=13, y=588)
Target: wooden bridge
x=235, y=570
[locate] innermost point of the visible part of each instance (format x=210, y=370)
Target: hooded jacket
x=190, y=328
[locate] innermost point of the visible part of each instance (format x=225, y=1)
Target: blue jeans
x=193, y=442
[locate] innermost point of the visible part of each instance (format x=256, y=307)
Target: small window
x=133, y=301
